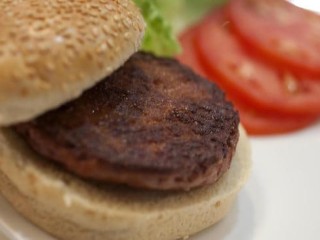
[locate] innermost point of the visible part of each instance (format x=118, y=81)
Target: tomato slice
x=285, y=35
x=247, y=78
x=188, y=54
x=257, y=123
x=253, y=121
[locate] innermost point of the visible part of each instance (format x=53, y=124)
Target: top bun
x=53, y=50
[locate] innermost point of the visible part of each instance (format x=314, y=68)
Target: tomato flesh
x=246, y=77
x=285, y=35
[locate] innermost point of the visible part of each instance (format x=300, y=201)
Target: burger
x=101, y=141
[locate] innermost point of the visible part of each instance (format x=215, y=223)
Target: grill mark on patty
x=152, y=124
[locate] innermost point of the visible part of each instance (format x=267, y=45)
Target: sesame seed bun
x=72, y=209
x=52, y=50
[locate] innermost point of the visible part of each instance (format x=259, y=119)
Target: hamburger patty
x=152, y=124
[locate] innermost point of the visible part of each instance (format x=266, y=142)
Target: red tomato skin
x=258, y=124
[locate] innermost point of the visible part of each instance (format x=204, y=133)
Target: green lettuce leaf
x=159, y=37
x=167, y=18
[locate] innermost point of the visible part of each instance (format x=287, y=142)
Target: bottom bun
x=73, y=209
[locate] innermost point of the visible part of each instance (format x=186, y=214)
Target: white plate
x=280, y=201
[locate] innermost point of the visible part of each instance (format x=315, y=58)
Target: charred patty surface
x=152, y=124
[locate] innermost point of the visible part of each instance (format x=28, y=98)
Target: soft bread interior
x=70, y=208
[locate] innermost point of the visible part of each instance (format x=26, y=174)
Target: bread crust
x=70, y=208
x=52, y=50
